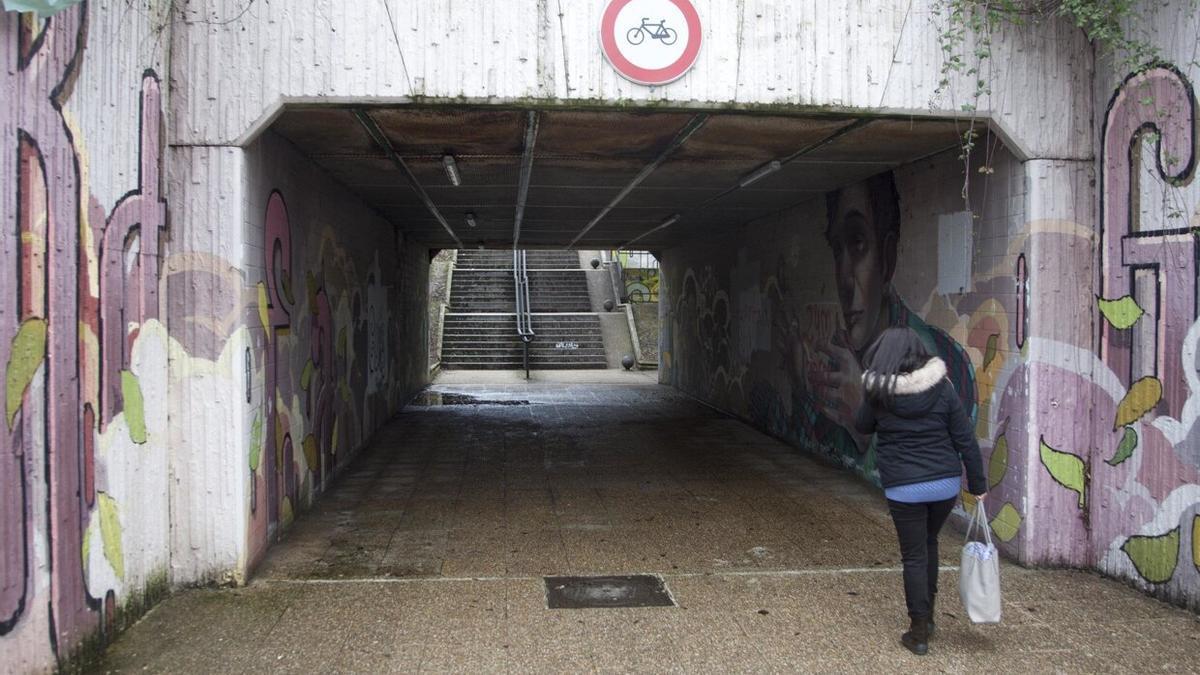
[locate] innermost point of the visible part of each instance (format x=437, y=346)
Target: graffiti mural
x=81, y=344
x=324, y=365
x=1088, y=422
x=1146, y=391
x=641, y=285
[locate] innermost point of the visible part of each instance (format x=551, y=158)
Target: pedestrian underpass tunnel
x=786, y=243
x=222, y=222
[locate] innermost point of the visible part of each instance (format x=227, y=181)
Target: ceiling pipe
x=531, y=129
x=758, y=174
x=685, y=133
x=377, y=135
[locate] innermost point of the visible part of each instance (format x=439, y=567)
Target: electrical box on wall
x=955, y=243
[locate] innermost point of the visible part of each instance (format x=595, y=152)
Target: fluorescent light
x=470, y=219
x=760, y=173
x=669, y=221
x=451, y=170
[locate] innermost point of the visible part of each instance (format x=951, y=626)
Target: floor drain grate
x=638, y=590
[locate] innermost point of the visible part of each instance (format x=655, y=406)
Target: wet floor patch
x=638, y=590
x=436, y=398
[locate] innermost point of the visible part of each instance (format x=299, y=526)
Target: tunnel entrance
x=586, y=198
x=598, y=222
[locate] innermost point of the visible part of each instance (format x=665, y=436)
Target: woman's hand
x=838, y=384
x=981, y=497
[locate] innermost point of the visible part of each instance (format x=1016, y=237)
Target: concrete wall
x=1125, y=495
x=756, y=54
x=129, y=320
x=88, y=362
x=754, y=321
x=1087, y=410
x=338, y=326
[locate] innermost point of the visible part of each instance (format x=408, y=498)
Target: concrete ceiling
x=594, y=179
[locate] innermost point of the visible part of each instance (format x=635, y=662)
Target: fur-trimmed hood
x=918, y=381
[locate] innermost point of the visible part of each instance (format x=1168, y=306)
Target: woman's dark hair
x=896, y=352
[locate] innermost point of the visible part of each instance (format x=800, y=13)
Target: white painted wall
x=242, y=62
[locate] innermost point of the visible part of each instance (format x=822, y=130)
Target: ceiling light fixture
x=760, y=173
x=669, y=221
x=451, y=170
x=470, y=219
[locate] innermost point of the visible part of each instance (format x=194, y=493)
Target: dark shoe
x=916, y=640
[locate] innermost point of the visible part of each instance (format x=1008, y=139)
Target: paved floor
x=428, y=555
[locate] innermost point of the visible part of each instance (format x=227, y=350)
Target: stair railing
x=524, y=320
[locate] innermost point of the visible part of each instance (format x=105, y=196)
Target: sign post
x=651, y=42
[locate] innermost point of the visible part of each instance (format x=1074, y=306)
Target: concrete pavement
x=429, y=555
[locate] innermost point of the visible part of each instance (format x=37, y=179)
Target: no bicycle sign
x=651, y=41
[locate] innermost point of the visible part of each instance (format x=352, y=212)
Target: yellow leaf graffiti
x=307, y=374
x=256, y=441
x=1154, y=557
x=1006, y=523
x=28, y=351
x=135, y=407
x=989, y=354
x=110, y=534
x=1121, y=313
x=998, y=464
x=310, y=452
x=1142, y=397
x=285, y=512
x=1066, y=469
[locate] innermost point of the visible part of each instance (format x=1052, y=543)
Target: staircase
x=479, y=330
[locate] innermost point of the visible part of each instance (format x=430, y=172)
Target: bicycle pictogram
x=656, y=31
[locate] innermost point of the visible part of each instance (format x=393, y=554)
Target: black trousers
x=917, y=526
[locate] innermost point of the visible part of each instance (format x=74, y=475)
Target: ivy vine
x=965, y=34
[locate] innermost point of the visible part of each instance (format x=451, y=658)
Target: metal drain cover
x=639, y=590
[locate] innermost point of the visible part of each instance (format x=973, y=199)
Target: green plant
x=965, y=34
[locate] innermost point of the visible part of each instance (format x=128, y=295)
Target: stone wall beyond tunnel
x=338, y=326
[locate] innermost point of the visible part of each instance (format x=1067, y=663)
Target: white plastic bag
x=979, y=574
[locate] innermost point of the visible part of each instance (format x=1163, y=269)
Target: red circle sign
x=651, y=41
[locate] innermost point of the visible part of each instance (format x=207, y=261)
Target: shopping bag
x=979, y=573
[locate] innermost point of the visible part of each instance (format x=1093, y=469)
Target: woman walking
x=924, y=438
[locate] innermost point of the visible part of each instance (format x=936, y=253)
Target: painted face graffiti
x=861, y=267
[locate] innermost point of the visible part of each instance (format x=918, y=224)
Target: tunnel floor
x=431, y=553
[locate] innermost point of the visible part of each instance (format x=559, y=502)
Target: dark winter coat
x=924, y=434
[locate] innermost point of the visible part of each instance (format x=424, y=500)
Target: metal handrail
x=521, y=289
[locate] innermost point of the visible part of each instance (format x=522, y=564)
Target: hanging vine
x=965, y=34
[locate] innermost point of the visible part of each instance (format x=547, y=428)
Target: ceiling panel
x=722, y=173
x=325, y=131
x=606, y=134
x=810, y=176
x=669, y=198
x=459, y=132
x=892, y=141
x=360, y=172
x=614, y=173
x=473, y=172
x=755, y=137
x=594, y=198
